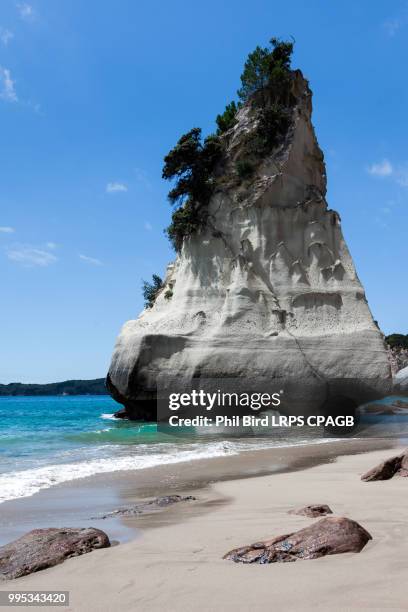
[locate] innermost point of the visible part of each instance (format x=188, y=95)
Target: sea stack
x=265, y=290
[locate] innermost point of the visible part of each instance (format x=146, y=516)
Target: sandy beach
x=178, y=565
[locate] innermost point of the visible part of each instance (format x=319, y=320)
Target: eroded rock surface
x=313, y=510
x=398, y=358
x=401, y=380
x=329, y=536
x=42, y=548
x=266, y=292
x=388, y=468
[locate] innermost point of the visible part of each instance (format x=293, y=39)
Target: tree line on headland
x=67, y=387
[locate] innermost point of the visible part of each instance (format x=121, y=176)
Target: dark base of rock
x=121, y=414
x=42, y=548
x=388, y=468
x=329, y=536
x=137, y=410
x=142, y=410
x=313, y=511
x=152, y=505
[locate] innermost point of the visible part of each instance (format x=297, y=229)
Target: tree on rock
x=266, y=68
x=151, y=290
x=191, y=163
x=227, y=119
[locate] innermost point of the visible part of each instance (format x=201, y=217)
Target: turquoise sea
x=49, y=440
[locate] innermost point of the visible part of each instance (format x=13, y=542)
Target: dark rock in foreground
x=42, y=548
x=329, y=536
x=149, y=506
x=388, y=468
x=313, y=511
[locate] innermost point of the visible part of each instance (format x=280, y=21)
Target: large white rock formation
x=268, y=291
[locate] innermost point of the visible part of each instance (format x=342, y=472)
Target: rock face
x=399, y=359
x=329, y=536
x=313, y=511
x=401, y=380
x=42, y=548
x=388, y=468
x=267, y=291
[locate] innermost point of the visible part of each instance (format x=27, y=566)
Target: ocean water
x=45, y=441
x=49, y=440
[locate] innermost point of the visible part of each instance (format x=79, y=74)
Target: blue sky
x=92, y=96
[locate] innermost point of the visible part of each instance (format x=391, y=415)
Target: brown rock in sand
x=329, y=536
x=313, y=511
x=388, y=468
x=42, y=548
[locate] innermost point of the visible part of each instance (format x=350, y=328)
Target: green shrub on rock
x=267, y=70
x=151, y=290
x=244, y=169
x=185, y=221
x=227, y=120
x=266, y=80
x=397, y=341
x=191, y=163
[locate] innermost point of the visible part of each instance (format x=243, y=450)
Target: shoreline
x=79, y=502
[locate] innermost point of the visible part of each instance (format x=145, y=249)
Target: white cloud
x=382, y=168
x=7, y=90
x=29, y=256
x=5, y=229
x=5, y=36
x=51, y=245
x=91, y=260
x=26, y=11
x=148, y=226
x=115, y=187
x=392, y=26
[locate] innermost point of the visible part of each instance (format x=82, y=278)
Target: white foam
x=27, y=482
x=110, y=417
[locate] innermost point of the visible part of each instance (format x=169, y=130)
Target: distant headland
x=95, y=386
